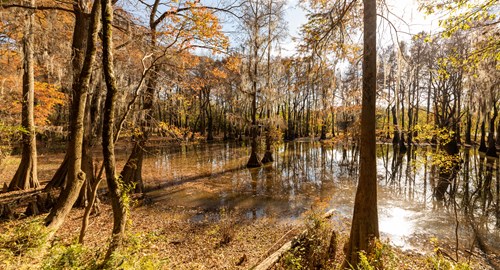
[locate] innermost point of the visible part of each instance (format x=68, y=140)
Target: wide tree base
x=268, y=157
x=492, y=152
x=26, y=175
x=59, y=178
x=254, y=161
x=132, y=171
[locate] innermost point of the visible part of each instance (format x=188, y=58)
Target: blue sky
x=407, y=10
x=403, y=14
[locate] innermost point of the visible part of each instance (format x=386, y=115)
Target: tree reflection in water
x=418, y=195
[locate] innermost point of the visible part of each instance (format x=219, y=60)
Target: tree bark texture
x=78, y=50
x=26, y=175
x=76, y=177
x=364, y=227
x=114, y=182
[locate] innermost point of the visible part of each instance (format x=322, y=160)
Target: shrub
x=20, y=244
x=312, y=250
x=74, y=256
x=23, y=238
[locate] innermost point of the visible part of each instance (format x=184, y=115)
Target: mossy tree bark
x=76, y=176
x=78, y=50
x=115, y=185
x=26, y=175
x=364, y=227
x=254, y=160
x=79, y=46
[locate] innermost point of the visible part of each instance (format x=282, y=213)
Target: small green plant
x=20, y=244
x=74, y=256
x=381, y=256
x=291, y=261
x=312, y=249
x=437, y=261
x=364, y=262
x=23, y=238
x=133, y=256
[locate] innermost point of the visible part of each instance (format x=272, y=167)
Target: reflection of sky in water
x=397, y=224
x=207, y=177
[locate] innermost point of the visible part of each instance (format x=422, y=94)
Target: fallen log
x=272, y=259
x=35, y=202
x=18, y=195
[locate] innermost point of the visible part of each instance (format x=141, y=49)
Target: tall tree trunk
x=498, y=134
x=115, y=184
x=492, y=148
x=26, y=175
x=132, y=171
x=333, y=122
x=482, y=144
x=429, y=91
x=76, y=177
x=365, y=218
x=78, y=46
x=396, y=137
x=210, y=120
x=92, y=131
x=468, y=138
x=254, y=160
x=268, y=155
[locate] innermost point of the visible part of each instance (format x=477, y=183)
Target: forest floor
x=169, y=240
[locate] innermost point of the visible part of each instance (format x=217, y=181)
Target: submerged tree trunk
x=254, y=160
x=333, y=123
x=364, y=227
x=492, y=148
x=76, y=177
x=26, y=175
x=468, y=138
x=268, y=155
x=396, y=137
x=132, y=172
x=115, y=186
x=482, y=144
x=447, y=172
x=210, y=120
x=323, y=131
x=498, y=135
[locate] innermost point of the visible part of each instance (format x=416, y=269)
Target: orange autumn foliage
x=47, y=96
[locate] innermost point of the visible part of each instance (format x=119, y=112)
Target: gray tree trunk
x=26, y=175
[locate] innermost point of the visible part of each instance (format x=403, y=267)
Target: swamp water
x=210, y=179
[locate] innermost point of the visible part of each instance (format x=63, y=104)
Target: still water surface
x=206, y=178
